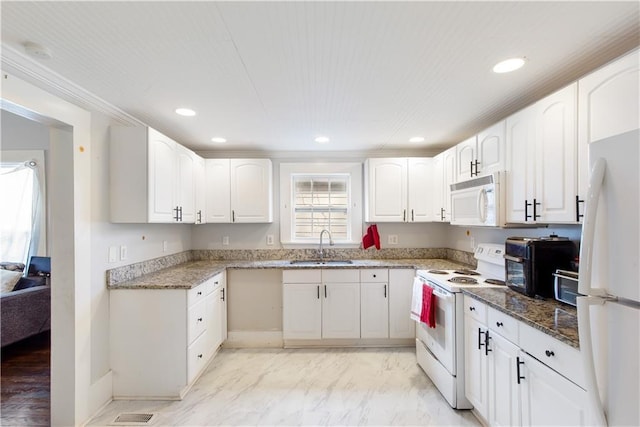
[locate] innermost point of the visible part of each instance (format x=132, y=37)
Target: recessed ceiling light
x=321, y=139
x=188, y=112
x=218, y=140
x=37, y=50
x=417, y=139
x=508, y=65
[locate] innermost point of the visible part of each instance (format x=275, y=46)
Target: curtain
x=21, y=211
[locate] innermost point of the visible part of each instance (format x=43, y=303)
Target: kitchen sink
x=320, y=261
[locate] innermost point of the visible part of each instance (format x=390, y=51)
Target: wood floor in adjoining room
x=25, y=386
x=325, y=387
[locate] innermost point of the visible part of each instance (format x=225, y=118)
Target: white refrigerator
x=609, y=314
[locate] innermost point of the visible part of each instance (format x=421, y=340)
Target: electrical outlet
x=165, y=246
x=269, y=239
x=392, y=239
x=113, y=253
x=225, y=240
x=123, y=253
x=473, y=243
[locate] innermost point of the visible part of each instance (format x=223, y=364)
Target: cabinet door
x=449, y=173
x=437, y=189
x=400, y=294
x=556, y=157
x=251, y=190
x=214, y=335
x=302, y=311
x=374, y=306
x=504, y=391
x=162, y=178
x=520, y=165
x=185, y=184
x=200, y=190
x=466, y=155
x=419, y=189
x=608, y=105
x=490, y=150
x=548, y=398
x=341, y=310
x=218, y=195
x=387, y=190
x=476, y=365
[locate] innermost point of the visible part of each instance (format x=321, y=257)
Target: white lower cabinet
x=347, y=304
x=510, y=387
x=162, y=339
x=374, y=304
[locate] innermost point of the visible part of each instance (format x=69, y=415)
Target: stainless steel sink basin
x=320, y=262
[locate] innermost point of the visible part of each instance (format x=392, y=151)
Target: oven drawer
x=557, y=355
x=475, y=309
x=503, y=324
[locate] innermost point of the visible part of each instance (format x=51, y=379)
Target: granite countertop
x=547, y=315
x=190, y=274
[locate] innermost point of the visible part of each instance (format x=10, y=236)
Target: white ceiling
x=270, y=76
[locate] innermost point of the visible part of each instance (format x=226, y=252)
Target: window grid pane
x=321, y=202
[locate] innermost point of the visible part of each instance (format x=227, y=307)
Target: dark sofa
x=25, y=312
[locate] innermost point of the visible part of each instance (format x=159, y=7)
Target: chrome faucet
x=321, y=251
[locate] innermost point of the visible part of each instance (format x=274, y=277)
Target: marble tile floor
x=319, y=387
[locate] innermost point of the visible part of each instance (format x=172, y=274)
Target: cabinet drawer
x=196, y=358
x=378, y=275
x=196, y=321
x=555, y=354
x=212, y=284
x=339, y=275
x=197, y=294
x=503, y=324
x=475, y=309
x=302, y=276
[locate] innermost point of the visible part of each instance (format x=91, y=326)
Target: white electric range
x=440, y=350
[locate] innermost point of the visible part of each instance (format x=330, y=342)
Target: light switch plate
x=113, y=253
x=269, y=239
x=225, y=240
x=123, y=252
x=165, y=246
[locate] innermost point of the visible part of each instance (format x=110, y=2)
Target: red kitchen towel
x=372, y=238
x=428, y=314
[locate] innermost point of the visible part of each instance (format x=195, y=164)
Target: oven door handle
x=442, y=294
x=513, y=258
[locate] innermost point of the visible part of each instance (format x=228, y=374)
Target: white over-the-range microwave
x=478, y=202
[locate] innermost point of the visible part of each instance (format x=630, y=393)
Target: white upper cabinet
x=608, y=105
x=541, y=160
x=186, y=184
x=217, y=190
x=151, y=179
x=398, y=189
x=251, y=190
x=465, y=159
x=437, y=189
x=482, y=154
x=556, y=157
x=386, y=190
x=239, y=190
x=200, y=190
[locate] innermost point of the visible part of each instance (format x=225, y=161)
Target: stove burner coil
x=494, y=282
x=437, y=272
x=467, y=272
x=463, y=280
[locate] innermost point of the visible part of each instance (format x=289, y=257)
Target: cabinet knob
x=549, y=353
x=199, y=319
x=199, y=293
x=472, y=308
x=200, y=356
x=498, y=324
x=375, y=275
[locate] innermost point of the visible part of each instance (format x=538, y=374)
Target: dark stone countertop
x=547, y=315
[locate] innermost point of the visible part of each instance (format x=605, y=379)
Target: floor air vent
x=133, y=420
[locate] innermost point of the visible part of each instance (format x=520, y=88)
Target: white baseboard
x=253, y=339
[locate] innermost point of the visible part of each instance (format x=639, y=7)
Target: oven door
x=441, y=340
x=516, y=274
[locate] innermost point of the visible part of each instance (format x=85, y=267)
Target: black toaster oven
x=531, y=261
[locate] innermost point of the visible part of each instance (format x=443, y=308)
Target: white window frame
x=288, y=170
